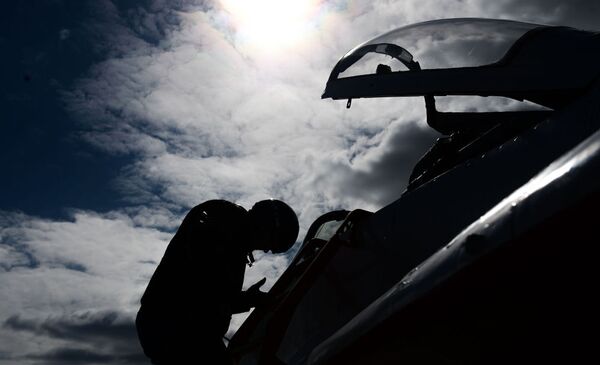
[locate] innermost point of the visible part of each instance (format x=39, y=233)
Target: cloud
x=577, y=13
x=245, y=130
x=110, y=325
x=101, y=337
x=64, y=34
x=81, y=356
x=72, y=356
x=376, y=176
x=75, y=281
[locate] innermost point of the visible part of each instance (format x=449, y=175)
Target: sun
x=271, y=24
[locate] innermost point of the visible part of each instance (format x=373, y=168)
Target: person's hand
x=254, y=295
x=256, y=286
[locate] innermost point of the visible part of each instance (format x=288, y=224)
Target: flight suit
x=187, y=306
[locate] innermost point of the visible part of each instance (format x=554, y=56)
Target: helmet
x=276, y=225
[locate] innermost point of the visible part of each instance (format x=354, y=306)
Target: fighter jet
x=490, y=253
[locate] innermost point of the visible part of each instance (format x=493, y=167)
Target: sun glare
x=271, y=24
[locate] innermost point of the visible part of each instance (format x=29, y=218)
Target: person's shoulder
x=221, y=209
x=224, y=205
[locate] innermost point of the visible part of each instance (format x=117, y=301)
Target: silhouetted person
x=188, y=303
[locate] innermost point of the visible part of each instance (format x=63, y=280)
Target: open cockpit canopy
x=447, y=43
x=469, y=56
x=548, y=65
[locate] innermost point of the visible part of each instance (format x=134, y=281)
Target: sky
x=118, y=116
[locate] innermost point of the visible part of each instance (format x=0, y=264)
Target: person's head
x=273, y=225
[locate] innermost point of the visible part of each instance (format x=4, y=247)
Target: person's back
x=186, y=307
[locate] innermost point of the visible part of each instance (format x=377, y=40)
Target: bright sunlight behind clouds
x=272, y=26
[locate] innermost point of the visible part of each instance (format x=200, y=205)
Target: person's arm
x=250, y=298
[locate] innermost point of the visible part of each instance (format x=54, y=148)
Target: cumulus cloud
x=101, y=337
x=79, y=356
x=61, y=279
x=576, y=13
x=248, y=129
